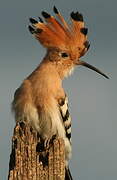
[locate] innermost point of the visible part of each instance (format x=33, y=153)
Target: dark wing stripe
x=68, y=135
x=66, y=116
x=68, y=127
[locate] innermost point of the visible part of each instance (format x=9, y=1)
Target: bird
x=41, y=99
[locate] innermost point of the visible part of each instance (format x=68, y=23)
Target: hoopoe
x=41, y=99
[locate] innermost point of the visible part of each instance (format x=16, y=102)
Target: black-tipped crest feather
x=40, y=19
x=33, y=21
x=45, y=14
x=55, y=10
x=31, y=29
x=77, y=16
x=84, y=31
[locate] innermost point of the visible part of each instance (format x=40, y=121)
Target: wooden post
x=30, y=161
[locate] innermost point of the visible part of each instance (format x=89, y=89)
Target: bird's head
x=65, y=44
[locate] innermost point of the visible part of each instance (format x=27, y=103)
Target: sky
x=92, y=98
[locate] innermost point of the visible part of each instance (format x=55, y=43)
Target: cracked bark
x=30, y=161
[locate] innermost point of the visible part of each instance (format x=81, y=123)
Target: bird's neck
x=46, y=80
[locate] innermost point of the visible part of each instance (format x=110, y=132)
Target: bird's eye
x=64, y=55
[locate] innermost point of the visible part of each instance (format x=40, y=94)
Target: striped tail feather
x=68, y=175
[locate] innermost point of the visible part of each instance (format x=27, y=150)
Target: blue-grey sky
x=93, y=99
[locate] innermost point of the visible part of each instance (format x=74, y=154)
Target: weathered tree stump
x=29, y=160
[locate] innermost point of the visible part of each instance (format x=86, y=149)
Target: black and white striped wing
x=63, y=104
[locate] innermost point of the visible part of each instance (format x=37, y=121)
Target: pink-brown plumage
x=41, y=99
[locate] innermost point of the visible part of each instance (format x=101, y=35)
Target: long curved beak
x=83, y=63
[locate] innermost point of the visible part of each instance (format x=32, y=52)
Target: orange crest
x=58, y=34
